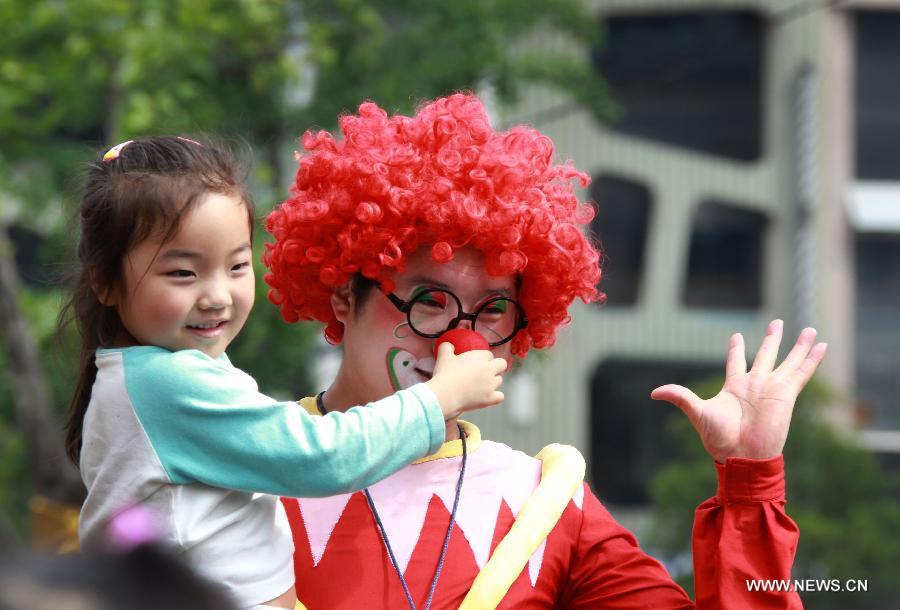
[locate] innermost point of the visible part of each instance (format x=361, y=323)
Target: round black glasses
x=432, y=312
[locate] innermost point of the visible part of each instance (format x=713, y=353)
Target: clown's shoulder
x=561, y=466
x=539, y=489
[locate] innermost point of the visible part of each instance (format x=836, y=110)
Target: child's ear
x=105, y=294
x=342, y=302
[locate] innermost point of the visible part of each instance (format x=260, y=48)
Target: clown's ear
x=342, y=302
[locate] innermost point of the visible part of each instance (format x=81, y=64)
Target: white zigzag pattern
x=402, y=502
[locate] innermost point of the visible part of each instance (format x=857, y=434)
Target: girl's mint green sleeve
x=208, y=423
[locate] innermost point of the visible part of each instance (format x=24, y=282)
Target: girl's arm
x=208, y=423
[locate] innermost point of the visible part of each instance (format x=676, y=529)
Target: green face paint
x=497, y=307
x=401, y=369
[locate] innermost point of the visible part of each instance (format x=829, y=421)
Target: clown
x=409, y=226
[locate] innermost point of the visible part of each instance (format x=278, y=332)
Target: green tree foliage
x=41, y=308
x=843, y=501
x=134, y=67
x=100, y=71
x=79, y=75
x=399, y=52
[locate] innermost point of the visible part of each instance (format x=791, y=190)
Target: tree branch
x=53, y=475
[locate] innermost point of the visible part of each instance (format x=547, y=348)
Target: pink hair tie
x=114, y=152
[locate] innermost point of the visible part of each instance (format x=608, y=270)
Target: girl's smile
x=195, y=290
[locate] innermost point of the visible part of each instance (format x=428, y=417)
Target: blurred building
x=753, y=173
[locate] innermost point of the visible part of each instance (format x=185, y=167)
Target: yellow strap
x=562, y=472
x=54, y=525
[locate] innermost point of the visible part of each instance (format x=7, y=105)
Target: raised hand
x=751, y=414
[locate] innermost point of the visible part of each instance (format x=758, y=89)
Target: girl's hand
x=750, y=416
x=466, y=381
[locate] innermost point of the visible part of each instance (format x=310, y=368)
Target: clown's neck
x=452, y=433
x=340, y=397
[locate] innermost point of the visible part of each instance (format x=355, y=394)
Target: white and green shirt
x=191, y=438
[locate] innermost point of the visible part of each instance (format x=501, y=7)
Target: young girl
x=160, y=417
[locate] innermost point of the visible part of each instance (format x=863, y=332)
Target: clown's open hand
x=751, y=415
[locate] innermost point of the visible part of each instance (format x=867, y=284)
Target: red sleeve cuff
x=746, y=480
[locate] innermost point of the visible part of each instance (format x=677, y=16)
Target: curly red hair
x=442, y=179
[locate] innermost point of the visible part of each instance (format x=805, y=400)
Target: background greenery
x=78, y=76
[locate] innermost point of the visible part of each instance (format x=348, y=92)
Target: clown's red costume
x=406, y=227
x=587, y=561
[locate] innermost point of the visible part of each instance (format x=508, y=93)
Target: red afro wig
x=443, y=179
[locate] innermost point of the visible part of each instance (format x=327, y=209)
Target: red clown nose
x=463, y=340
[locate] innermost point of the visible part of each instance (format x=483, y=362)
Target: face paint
x=399, y=333
x=497, y=308
x=377, y=359
x=401, y=369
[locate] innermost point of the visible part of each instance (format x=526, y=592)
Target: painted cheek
x=402, y=331
x=383, y=322
x=401, y=366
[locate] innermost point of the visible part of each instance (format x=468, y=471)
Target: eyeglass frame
x=406, y=307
